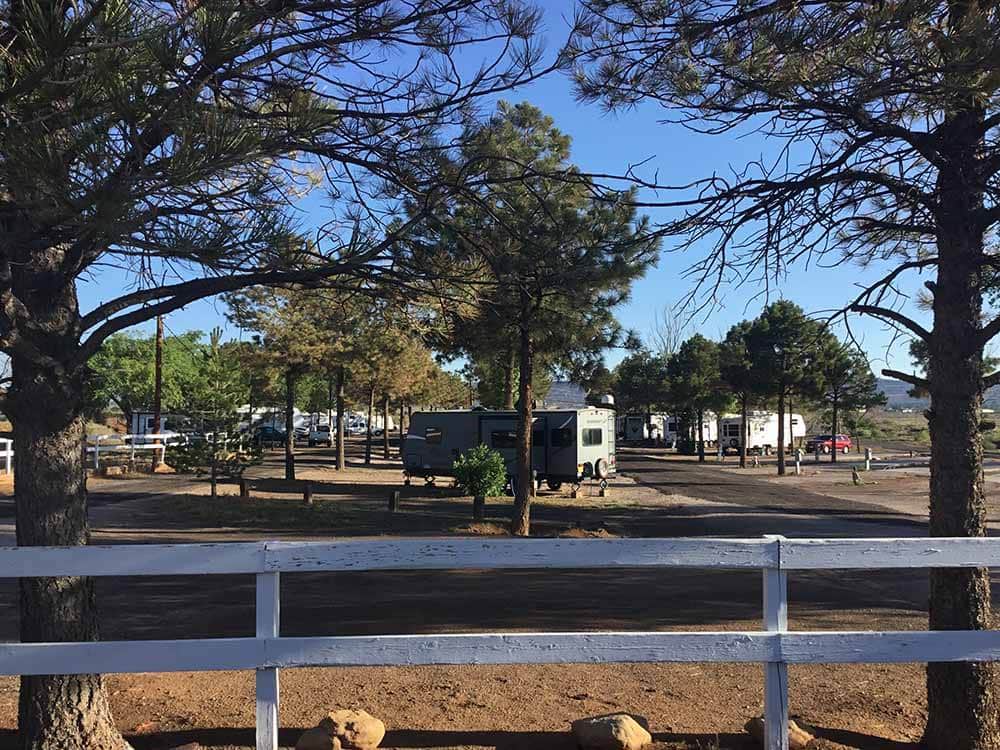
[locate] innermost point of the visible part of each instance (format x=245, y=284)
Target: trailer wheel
x=601, y=469
x=553, y=485
x=406, y=482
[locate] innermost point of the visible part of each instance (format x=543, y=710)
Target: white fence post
x=268, y=615
x=97, y=452
x=776, y=672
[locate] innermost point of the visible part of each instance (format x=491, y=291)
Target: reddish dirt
x=868, y=707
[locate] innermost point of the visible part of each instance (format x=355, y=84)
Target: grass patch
x=290, y=514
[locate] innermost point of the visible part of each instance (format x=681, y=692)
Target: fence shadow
x=415, y=739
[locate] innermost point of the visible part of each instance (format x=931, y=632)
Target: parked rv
x=667, y=428
x=568, y=445
x=762, y=431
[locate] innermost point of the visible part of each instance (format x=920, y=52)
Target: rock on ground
x=317, y=739
x=798, y=738
x=356, y=730
x=611, y=732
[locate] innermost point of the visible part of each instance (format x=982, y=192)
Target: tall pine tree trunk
x=520, y=524
x=331, y=397
x=62, y=712
x=963, y=712
x=341, y=378
x=290, y=377
x=834, y=421
x=402, y=433
x=508, y=380
x=744, y=426
x=781, y=432
x=368, y=432
x=385, y=426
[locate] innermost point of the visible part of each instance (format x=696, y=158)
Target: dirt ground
x=867, y=707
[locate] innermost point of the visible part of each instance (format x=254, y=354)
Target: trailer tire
x=553, y=485
x=601, y=469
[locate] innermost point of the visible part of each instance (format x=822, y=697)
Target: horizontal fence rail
x=774, y=646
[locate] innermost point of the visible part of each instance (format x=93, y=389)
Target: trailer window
x=433, y=435
x=593, y=436
x=503, y=439
x=562, y=437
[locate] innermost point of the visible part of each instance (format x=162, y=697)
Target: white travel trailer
x=643, y=427
x=568, y=445
x=762, y=431
x=666, y=427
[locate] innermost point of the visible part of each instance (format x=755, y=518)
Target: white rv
x=643, y=427
x=762, y=431
x=568, y=445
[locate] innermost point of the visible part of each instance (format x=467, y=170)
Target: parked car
x=269, y=435
x=321, y=434
x=828, y=443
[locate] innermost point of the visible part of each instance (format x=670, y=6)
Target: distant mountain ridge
x=897, y=397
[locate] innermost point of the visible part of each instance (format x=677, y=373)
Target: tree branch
x=894, y=316
x=913, y=380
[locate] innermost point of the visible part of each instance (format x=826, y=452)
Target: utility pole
x=158, y=383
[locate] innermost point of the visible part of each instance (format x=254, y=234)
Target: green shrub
x=481, y=472
x=196, y=457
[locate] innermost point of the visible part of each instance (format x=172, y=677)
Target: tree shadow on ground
x=859, y=740
x=407, y=739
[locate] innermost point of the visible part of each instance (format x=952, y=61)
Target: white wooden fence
x=6, y=454
x=774, y=646
x=119, y=445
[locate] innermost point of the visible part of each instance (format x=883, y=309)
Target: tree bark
x=158, y=385
x=331, y=397
x=385, y=426
x=834, y=407
x=341, y=377
x=744, y=409
x=963, y=712
x=371, y=416
x=781, y=433
x=701, y=436
x=520, y=524
x=63, y=712
x=290, y=377
x=508, y=381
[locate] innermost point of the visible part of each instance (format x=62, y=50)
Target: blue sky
x=608, y=143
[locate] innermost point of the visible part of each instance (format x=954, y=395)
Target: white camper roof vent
x=607, y=400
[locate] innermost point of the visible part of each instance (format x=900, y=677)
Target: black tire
x=601, y=469
x=553, y=485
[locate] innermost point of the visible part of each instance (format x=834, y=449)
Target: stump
x=394, y=501
x=244, y=489
x=478, y=508
x=307, y=493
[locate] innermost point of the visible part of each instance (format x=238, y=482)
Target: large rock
x=611, y=732
x=798, y=738
x=317, y=739
x=356, y=730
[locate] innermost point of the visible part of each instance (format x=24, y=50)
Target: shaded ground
x=868, y=706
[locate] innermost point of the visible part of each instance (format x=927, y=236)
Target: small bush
x=196, y=458
x=481, y=472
